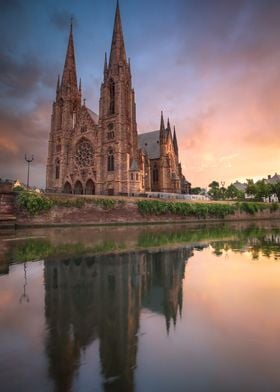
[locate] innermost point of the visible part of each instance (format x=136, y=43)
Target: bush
x=18, y=188
x=251, y=207
x=199, y=210
x=34, y=203
x=274, y=207
x=106, y=204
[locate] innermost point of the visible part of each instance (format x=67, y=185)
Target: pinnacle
x=118, y=53
x=69, y=76
x=162, y=126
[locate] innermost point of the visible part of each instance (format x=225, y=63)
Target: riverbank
x=64, y=210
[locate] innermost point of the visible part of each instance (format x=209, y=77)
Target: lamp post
x=28, y=160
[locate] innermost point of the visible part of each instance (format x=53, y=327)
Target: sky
x=212, y=66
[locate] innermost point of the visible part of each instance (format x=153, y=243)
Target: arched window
x=112, y=97
x=74, y=119
x=90, y=188
x=57, y=169
x=78, y=188
x=67, y=188
x=155, y=174
x=60, y=113
x=84, y=153
x=111, y=160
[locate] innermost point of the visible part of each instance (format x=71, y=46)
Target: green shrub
x=250, y=207
x=34, y=203
x=199, y=210
x=106, y=204
x=18, y=188
x=68, y=203
x=274, y=207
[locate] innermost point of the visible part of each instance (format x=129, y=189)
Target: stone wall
x=122, y=214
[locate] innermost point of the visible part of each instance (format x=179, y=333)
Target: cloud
x=61, y=20
x=24, y=134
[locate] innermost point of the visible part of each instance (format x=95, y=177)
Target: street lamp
x=28, y=160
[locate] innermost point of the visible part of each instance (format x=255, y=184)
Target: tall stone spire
x=175, y=144
x=118, y=54
x=162, y=126
x=168, y=125
x=69, y=78
x=105, y=65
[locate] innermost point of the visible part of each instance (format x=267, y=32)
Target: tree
x=215, y=191
x=196, y=191
x=233, y=193
x=276, y=189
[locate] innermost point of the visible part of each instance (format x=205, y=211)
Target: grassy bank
x=34, y=204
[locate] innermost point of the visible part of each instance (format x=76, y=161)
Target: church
x=103, y=154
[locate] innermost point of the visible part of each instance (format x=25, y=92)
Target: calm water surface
x=140, y=309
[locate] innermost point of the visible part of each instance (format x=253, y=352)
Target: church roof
x=93, y=116
x=149, y=142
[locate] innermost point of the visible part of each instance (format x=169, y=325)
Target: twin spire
x=117, y=55
x=69, y=77
x=165, y=131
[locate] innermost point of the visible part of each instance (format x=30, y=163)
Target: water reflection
x=75, y=321
x=97, y=298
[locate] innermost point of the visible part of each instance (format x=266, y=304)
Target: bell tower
x=66, y=108
x=117, y=114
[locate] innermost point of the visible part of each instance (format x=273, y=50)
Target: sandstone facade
x=91, y=154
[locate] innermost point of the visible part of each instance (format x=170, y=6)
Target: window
x=110, y=135
x=57, y=169
x=137, y=177
x=131, y=176
x=84, y=153
x=74, y=119
x=111, y=160
x=112, y=97
x=155, y=174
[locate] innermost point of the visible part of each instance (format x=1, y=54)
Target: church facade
x=103, y=154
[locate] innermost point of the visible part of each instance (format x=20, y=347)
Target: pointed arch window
x=112, y=97
x=155, y=174
x=60, y=105
x=111, y=163
x=57, y=169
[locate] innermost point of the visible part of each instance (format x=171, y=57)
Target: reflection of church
x=101, y=298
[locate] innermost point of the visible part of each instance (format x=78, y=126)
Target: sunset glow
x=213, y=67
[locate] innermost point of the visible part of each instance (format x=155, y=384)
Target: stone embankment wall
x=122, y=214
x=7, y=207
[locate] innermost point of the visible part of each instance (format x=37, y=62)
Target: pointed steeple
x=162, y=126
x=118, y=53
x=57, y=85
x=175, y=144
x=105, y=64
x=69, y=77
x=168, y=125
x=80, y=85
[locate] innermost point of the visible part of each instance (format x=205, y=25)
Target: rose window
x=84, y=153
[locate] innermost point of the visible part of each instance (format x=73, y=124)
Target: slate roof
x=93, y=116
x=149, y=142
x=239, y=186
x=273, y=180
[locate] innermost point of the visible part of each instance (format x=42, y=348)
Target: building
x=103, y=154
